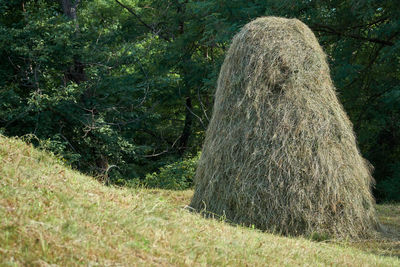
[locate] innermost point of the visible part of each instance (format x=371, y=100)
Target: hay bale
x=280, y=152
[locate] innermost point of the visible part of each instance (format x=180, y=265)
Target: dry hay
x=280, y=152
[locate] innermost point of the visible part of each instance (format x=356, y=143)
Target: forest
x=124, y=89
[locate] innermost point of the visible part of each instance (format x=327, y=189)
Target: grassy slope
x=50, y=214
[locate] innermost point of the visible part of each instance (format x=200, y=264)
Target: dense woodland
x=122, y=88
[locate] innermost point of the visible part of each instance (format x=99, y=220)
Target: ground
x=52, y=215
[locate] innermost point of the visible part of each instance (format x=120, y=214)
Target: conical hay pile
x=280, y=152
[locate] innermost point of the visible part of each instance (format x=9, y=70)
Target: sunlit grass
x=50, y=214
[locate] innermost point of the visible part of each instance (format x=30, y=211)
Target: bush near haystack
x=176, y=176
x=280, y=152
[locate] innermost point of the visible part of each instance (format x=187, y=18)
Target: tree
x=130, y=83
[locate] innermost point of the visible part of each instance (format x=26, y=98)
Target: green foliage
x=175, y=176
x=136, y=89
x=391, y=185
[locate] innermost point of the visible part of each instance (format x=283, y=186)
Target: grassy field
x=51, y=215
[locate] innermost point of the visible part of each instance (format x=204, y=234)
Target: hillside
x=50, y=214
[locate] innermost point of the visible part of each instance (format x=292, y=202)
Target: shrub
x=175, y=176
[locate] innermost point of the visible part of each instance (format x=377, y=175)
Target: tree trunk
x=187, y=128
x=69, y=8
x=76, y=72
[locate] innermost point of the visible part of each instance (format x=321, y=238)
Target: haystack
x=280, y=152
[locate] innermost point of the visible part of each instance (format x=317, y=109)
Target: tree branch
x=130, y=10
x=330, y=30
x=383, y=19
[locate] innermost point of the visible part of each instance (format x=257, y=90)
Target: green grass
x=50, y=214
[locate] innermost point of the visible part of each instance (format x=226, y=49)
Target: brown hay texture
x=280, y=153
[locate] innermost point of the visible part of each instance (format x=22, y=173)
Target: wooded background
x=123, y=87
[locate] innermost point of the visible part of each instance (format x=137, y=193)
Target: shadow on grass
x=387, y=243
